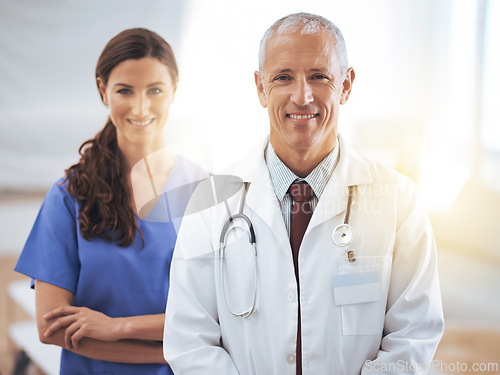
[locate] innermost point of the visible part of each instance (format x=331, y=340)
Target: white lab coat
x=390, y=327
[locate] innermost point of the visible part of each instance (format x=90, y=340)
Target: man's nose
x=141, y=105
x=302, y=93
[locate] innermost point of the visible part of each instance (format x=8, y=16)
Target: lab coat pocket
x=360, y=290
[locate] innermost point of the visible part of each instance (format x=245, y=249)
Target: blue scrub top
x=118, y=281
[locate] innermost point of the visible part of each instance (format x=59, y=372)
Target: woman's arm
x=50, y=298
x=81, y=322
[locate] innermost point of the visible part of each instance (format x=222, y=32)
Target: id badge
x=356, y=288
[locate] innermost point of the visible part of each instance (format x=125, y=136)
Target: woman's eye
x=124, y=91
x=155, y=91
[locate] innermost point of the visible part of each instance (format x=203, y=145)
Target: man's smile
x=302, y=117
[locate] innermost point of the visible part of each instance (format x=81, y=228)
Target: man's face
x=302, y=87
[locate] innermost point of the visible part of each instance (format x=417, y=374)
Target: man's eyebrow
x=150, y=85
x=282, y=71
x=320, y=70
x=315, y=70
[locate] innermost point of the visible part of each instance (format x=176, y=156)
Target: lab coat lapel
x=351, y=169
x=261, y=198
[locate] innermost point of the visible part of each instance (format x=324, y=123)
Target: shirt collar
x=282, y=177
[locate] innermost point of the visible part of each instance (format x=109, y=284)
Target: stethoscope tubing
x=251, y=238
x=342, y=236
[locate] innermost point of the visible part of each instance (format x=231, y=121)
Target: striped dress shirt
x=282, y=177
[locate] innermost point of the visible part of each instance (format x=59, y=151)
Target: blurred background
x=424, y=102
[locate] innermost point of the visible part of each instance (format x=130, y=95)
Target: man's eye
x=319, y=76
x=124, y=91
x=282, y=78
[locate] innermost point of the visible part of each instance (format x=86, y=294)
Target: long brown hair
x=99, y=181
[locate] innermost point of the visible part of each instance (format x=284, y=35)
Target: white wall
x=49, y=102
x=412, y=103
x=48, y=99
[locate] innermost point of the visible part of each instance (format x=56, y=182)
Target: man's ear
x=347, y=85
x=102, y=91
x=260, y=89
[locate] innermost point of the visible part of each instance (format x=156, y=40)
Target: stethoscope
x=228, y=227
x=342, y=236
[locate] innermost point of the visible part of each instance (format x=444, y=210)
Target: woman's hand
x=54, y=308
x=80, y=322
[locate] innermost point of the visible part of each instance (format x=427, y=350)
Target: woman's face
x=138, y=95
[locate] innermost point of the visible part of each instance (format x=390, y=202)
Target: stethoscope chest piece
x=343, y=235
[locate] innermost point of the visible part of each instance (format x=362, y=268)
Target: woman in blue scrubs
x=101, y=270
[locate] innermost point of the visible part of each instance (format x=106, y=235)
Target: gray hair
x=306, y=23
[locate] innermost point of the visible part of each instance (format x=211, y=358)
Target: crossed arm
x=94, y=334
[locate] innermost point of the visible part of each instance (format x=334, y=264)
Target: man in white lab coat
x=371, y=307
